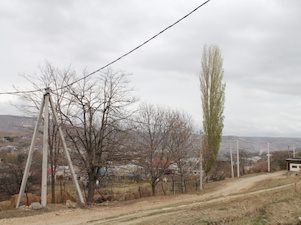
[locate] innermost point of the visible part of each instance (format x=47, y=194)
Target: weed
x=260, y=221
x=130, y=219
x=207, y=222
x=223, y=208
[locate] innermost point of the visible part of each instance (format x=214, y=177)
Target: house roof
x=293, y=160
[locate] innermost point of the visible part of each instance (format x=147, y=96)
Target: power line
x=139, y=46
x=21, y=92
x=122, y=56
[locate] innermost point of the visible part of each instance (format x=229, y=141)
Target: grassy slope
x=282, y=206
x=279, y=206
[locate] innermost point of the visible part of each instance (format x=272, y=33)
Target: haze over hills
x=260, y=144
x=14, y=125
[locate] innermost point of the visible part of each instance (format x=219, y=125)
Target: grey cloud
x=260, y=41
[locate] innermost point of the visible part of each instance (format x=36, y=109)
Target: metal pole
x=30, y=153
x=74, y=178
x=231, y=157
x=269, y=159
x=45, y=152
x=237, y=158
x=201, y=162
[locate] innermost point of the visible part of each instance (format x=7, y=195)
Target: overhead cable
x=119, y=58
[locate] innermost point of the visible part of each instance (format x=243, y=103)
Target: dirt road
x=114, y=213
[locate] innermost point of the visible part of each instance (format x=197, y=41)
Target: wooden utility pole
x=237, y=157
x=45, y=104
x=294, y=151
x=231, y=157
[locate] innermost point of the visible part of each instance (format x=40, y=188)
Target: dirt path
x=114, y=213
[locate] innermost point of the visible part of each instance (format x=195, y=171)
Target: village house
x=293, y=164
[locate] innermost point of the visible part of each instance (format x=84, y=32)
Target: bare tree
x=95, y=116
x=151, y=143
x=11, y=172
x=278, y=160
x=213, y=98
x=181, y=142
x=244, y=161
x=55, y=79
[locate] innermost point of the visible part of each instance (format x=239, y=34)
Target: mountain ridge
x=15, y=125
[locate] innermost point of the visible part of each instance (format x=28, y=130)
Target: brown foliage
x=95, y=197
x=101, y=192
x=145, y=192
x=136, y=194
x=129, y=196
x=5, y=205
x=28, y=198
x=260, y=166
x=278, y=160
x=61, y=197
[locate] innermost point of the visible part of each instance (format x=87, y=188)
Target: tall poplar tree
x=213, y=99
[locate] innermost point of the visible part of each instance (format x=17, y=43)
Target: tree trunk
x=153, y=188
x=182, y=183
x=163, y=189
x=173, y=185
x=91, y=186
x=52, y=186
x=207, y=178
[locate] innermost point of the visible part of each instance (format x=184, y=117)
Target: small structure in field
x=293, y=164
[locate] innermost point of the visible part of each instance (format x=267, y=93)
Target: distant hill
x=12, y=125
x=259, y=145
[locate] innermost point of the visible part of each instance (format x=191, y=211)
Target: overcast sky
x=259, y=39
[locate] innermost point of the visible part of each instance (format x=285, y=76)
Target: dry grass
x=275, y=207
x=120, y=188
x=13, y=213
x=269, y=183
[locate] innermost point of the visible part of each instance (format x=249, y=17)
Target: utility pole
x=45, y=151
x=237, y=157
x=201, y=161
x=294, y=151
x=45, y=105
x=288, y=150
x=231, y=157
x=30, y=154
x=269, y=159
